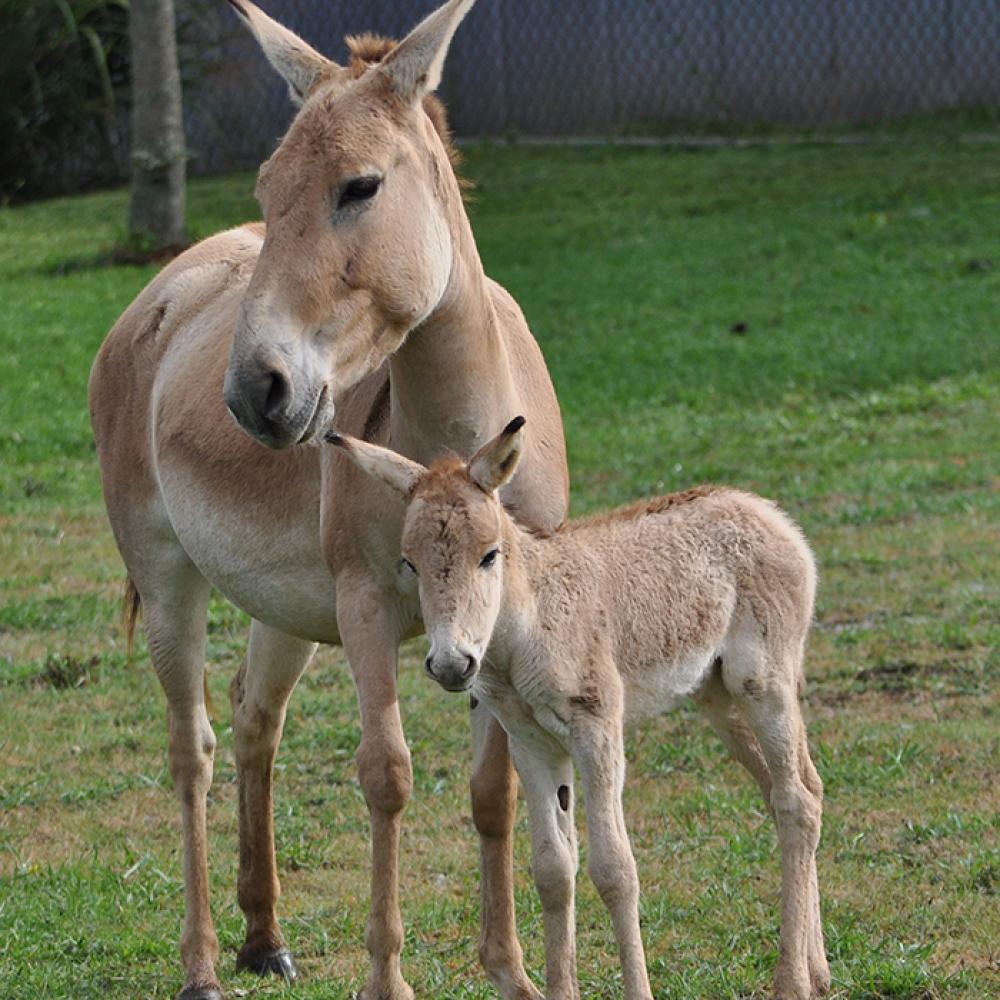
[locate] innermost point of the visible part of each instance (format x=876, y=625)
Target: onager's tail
x=131, y=611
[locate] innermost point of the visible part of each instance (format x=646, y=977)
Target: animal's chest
x=539, y=726
x=254, y=521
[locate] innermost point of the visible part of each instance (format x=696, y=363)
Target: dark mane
x=365, y=51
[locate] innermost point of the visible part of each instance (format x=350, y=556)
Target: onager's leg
x=174, y=603
x=600, y=756
x=494, y=806
x=548, y=787
x=796, y=804
x=370, y=635
x=259, y=694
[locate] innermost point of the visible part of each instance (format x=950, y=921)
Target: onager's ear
x=299, y=64
x=495, y=463
x=394, y=470
x=414, y=66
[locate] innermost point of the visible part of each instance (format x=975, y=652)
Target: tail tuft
x=131, y=609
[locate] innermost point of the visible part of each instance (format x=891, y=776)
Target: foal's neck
x=518, y=631
x=451, y=382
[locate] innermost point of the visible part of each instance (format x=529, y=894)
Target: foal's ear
x=414, y=66
x=392, y=469
x=495, y=463
x=296, y=61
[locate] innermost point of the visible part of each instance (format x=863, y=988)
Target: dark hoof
x=200, y=993
x=278, y=963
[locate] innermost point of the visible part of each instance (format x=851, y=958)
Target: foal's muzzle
x=453, y=671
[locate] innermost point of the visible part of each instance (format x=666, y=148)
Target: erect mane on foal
x=438, y=482
x=368, y=49
x=643, y=508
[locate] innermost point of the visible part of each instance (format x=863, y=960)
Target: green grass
x=817, y=323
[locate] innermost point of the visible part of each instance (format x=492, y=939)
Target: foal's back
x=672, y=581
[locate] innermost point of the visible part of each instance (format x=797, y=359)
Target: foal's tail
x=131, y=612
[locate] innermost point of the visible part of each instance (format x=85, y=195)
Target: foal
x=706, y=594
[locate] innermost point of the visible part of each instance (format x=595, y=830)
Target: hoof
x=398, y=991
x=278, y=963
x=200, y=993
x=821, y=983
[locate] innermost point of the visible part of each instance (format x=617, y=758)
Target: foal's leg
x=494, y=806
x=259, y=694
x=723, y=713
x=548, y=787
x=600, y=756
x=174, y=599
x=370, y=634
x=776, y=721
x=819, y=969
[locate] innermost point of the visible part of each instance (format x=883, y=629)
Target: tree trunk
x=156, y=209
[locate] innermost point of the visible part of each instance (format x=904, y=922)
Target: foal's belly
x=656, y=690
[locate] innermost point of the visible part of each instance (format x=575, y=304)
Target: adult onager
x=364, y=293
x=706, y=594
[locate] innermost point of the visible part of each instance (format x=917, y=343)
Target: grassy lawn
x=815, y=323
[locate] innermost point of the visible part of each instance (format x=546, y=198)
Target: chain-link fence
x=557, y=68
x=603, y=68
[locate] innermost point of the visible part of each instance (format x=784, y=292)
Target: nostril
x=277, y=392
x=470, y=666
x=428, y=667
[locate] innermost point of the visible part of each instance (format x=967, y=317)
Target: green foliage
x=63, y=65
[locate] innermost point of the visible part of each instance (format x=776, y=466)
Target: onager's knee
x=191, y=753
x=256, y=732
x=385, y=774
x=494, y=802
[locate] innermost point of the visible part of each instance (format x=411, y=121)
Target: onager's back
x=706, y=594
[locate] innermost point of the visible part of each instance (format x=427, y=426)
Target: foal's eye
x=489, y=559
x=359, y=189
x=406, y=562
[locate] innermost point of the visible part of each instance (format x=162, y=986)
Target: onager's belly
x=247, y=517
x=275, y=572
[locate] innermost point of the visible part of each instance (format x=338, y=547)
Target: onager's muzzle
x=274, y=401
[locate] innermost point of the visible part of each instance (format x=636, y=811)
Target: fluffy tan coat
x=706, y=594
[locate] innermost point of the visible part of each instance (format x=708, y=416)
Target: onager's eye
x=360, y=189
x=406, y=562
x=489, y=559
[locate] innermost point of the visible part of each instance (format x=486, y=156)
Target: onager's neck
x=451, y=382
